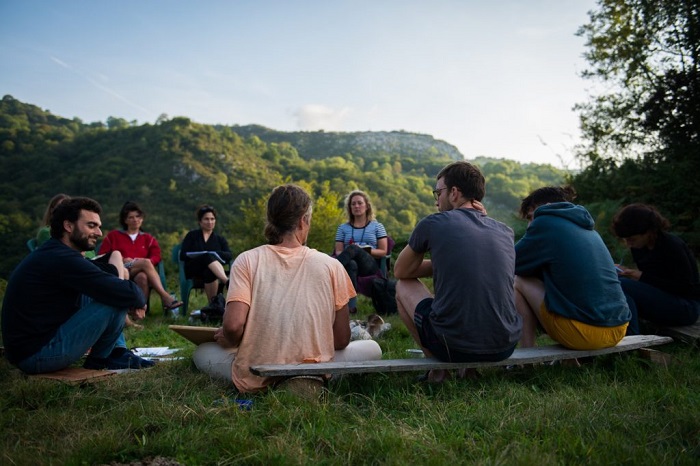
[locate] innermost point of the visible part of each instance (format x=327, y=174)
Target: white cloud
x=311, y=117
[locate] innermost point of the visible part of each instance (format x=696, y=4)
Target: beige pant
x=216, y=361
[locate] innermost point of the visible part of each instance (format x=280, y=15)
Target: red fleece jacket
x=145, y=245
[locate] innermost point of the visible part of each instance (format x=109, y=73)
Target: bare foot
x=131, y=323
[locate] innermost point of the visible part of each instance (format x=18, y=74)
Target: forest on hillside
x=174, y=165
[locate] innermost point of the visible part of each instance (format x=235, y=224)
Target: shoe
x=127, y=360
x=174, y=305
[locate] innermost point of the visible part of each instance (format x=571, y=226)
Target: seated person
x=206, y=267
x=665, y=288
x=44, y=233
x=471, y=317
x=46, y=325
x=361, y=241
x=140, y=252
x=565, y=277
x=287, y=303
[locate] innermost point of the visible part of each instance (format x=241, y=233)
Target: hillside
x=321, y=144
x=174, y=165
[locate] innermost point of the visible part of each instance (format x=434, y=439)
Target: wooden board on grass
x=75, y=375
x=687, y=333
x=520, y=356
x=196, y=335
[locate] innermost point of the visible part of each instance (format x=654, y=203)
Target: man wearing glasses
x=472, y=316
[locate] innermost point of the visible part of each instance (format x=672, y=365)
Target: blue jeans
x=662, y=308
x=94, y=325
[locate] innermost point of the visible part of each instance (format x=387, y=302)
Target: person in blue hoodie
x=565, y=276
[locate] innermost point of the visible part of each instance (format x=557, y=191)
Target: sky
x=495, y=78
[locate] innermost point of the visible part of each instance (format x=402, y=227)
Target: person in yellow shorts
x=565, y=277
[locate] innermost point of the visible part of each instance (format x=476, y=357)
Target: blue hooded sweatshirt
x=561, y=247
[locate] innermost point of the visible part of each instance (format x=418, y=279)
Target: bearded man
x=58, y=304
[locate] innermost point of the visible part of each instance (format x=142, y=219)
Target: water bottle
x=174, y=312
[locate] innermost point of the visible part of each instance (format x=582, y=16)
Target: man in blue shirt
x=47, y=325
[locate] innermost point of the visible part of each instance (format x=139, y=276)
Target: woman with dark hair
x=287, y=303
x=140, y=252
x=360, y=241
x=206, y=267
x=665, y=287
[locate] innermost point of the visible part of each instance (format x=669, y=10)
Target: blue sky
x=496, y=78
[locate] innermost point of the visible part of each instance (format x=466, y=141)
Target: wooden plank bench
x=687, y=333
x=520, y=356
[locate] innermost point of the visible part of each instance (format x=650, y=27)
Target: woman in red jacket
x=140, y=251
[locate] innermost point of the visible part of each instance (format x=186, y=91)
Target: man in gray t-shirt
x=472, y=316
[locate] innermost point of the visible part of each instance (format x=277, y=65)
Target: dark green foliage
x=173, y=166
x=642, y=137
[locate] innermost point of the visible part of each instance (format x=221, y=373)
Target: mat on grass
x=75, y=375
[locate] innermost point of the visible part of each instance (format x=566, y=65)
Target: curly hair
x=127, y=208
x=637, y=219
x=546, y=195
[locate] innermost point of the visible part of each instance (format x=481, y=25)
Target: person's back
x=471, y=317
x=565, y=277
x=580, y=280
x=290, y=322
x=286, y=303
x=473, y=265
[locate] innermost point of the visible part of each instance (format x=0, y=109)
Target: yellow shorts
x=577, y=335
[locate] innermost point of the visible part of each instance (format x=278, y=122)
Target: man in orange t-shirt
x=286, y=303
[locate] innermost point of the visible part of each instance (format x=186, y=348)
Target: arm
x=225, y=252
x=531, y=252
x=234, y=321
x=339, y=239
x=154, y=251
x=89, y=279
x=382, y=248
x=187, y=246
x=341, y=328
x=410, y=264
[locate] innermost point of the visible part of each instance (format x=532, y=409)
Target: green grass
x=616, y=409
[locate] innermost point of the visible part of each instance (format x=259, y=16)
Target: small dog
x=372, y=328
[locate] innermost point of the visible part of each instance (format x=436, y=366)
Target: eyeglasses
x=436, y=192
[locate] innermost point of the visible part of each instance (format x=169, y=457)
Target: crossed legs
x=144, y=274
x=211, y=288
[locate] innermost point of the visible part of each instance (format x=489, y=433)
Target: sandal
x=174, y=305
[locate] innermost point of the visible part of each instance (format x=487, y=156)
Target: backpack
x=384, y=296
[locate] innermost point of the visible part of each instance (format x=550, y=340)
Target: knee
x=141, y=279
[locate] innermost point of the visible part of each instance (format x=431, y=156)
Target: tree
x=646, y=124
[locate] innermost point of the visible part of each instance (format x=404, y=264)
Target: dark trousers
x=655, y=305
x=357, y=262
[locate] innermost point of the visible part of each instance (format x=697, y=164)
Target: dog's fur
x=373, y=327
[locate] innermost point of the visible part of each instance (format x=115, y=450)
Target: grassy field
x=617, y=409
